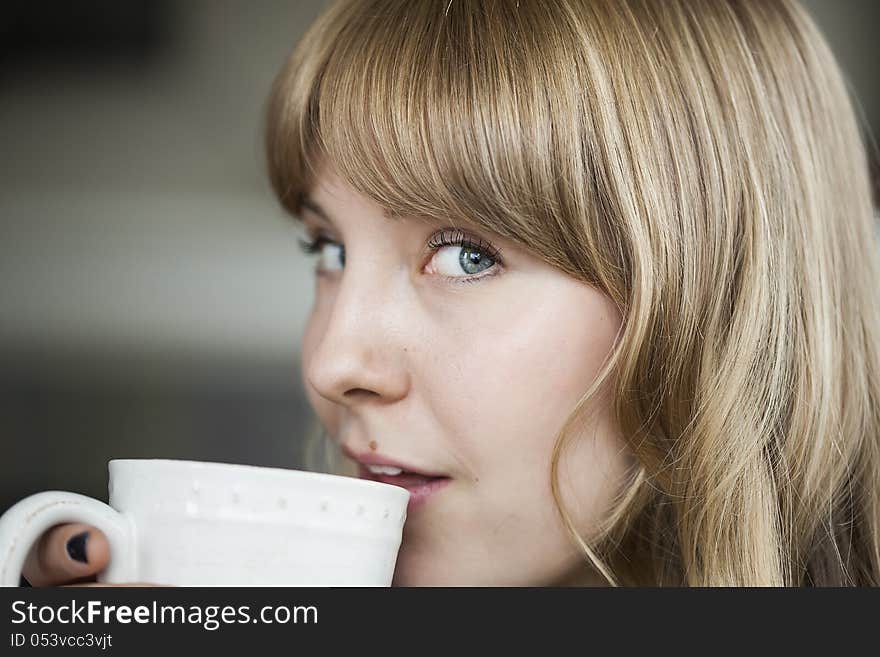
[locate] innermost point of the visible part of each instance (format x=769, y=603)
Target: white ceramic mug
x=192, y=523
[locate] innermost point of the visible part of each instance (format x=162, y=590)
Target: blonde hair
x=699, y=162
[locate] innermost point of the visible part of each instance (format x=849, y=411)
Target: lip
x=368, y=458
x=419, y=493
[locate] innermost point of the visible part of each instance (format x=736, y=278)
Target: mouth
x=421, y=487
x=420, y=484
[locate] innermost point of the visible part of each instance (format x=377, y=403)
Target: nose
x=359, y=354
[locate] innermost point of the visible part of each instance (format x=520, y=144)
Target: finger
x=66, y=553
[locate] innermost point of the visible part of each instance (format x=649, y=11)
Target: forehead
x=329, y=190
x=332, y=199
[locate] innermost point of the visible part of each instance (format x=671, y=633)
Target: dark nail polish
x=76, y=547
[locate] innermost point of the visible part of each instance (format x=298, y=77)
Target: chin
x=415, y=568
x=410, y=573
x=415, y=571
x=432, y=570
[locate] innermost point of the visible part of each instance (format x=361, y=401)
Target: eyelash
x=314, y=246
x=446, y=237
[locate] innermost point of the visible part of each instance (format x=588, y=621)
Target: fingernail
x=76, y=547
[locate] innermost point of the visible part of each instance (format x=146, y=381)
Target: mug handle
x=26, y=520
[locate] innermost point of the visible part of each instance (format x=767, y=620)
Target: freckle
x=374, y=445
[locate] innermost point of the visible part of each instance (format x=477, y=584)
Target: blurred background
x=152, y=293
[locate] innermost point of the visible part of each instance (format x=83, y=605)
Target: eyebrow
x=308, y=202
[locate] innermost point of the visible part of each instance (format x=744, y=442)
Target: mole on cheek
x=374, y=445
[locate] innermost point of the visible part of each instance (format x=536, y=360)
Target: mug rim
x=345, y=480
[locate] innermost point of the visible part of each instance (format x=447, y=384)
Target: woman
x=596, y=282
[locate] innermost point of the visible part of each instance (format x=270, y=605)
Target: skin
x=472, y=380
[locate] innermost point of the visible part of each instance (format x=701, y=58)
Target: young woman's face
x=458, y=361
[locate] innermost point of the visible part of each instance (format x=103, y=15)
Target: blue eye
x=473, y=255
x=464, y=264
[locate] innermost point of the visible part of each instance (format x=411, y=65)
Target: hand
x=70, y=554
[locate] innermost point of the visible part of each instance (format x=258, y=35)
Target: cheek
x=513, y=380
x=594, y=466
x=514, y=384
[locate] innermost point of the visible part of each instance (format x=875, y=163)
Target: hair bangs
x=450, y=119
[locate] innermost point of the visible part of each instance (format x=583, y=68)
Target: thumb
x=66, y=553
